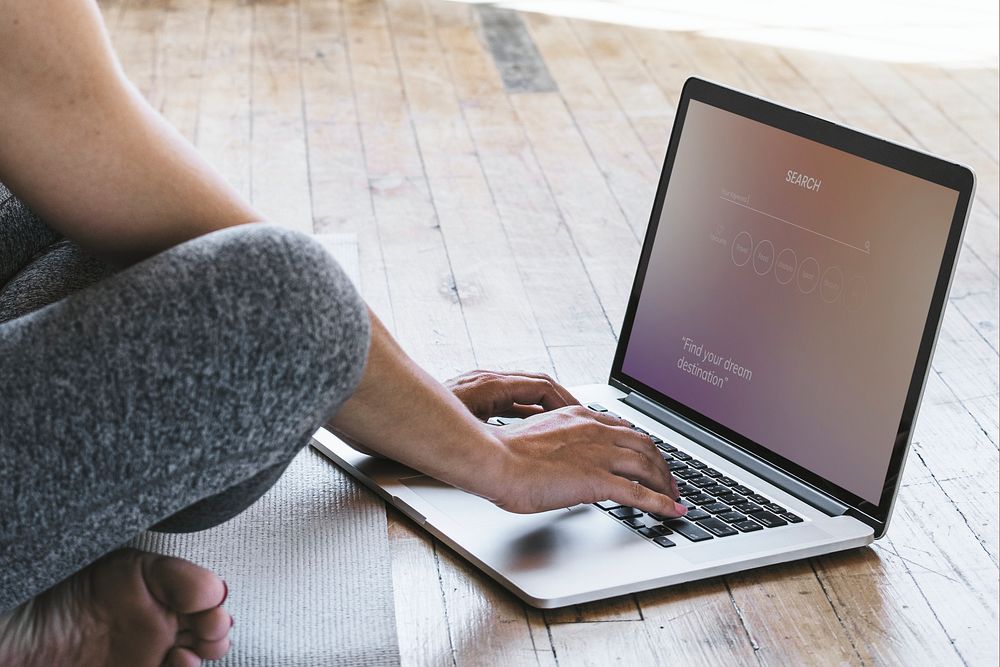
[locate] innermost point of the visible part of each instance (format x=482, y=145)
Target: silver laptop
x=775, y=346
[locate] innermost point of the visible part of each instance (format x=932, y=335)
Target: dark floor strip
x=516, y=57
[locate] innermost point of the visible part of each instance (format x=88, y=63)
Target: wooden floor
x=498, y=198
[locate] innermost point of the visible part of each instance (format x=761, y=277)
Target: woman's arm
x=555, y=459
x=84, y=149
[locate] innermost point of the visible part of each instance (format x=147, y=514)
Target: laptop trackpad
x=464, y=508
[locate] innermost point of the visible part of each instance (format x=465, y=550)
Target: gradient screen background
x=787, y=314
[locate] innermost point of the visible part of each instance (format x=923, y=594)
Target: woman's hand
x=495, y=394
x=574, y=455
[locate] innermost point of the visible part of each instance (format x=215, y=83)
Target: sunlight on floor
x=959, y=33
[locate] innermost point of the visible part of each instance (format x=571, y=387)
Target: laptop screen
x=786, y=293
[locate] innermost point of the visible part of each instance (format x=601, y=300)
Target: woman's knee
x=299, y=305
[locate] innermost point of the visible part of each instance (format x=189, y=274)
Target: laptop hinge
x=785, y=482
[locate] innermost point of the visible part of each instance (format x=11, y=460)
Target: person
x=165, y=354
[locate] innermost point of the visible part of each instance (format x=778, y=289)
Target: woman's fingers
x=635, y=465
x=524, y=390
x=634, y=494
x=524, y=411
x=561, y=390
x=639, y=443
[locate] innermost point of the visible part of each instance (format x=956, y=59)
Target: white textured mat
x=308, y=571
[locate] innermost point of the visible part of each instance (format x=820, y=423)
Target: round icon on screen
x=857, y=290
x=832, y=284
x=763, y=257
x=740, y=251
x=785, y=265
x=808, y=275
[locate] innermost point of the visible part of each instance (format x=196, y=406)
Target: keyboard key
x=649, y=532
x=635, y=522
x=747, y=526
x=717, y=508
x=697, y=515
x=767, y=519
x=732, y=517
x=715, y=488
x=728, y=481
x=608, y=505
x=625, y=512
x=656, y=441
x=664, y=542
x=682, y=456
x=757, y=498
x=711, y=472
x=746, y=507
x=743, y=490
x=700, y=480
x=774, y=507
x=684, y=473
x=728, y=497
x=791, y=518
x=678, y=465
x=643, y=431
x=667, y=447
x=686, y=488
x=701, y=498
x=688, y=530
x=597, y=407
x=697, y=465
x=660, y=517
x=716, y=527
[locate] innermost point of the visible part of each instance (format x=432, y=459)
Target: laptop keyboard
x=718, y=506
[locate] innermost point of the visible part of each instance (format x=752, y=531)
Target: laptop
x=775, y=346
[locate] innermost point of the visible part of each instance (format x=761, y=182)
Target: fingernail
x=225, y=593
x=682, y=509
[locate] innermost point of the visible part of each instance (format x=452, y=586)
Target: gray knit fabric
x=173, y=392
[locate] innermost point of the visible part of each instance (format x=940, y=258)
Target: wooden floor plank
x=488, y=284
x=967, y=112
x=566, y=306
x=428, y=316
x=223, y=129
x=787, y=613
x=951, y=569
x=604, y=239
x=698, y=621
x=984, y=83
x=338, y=176
x=422, y=621
x=631, y=174
x=280, y=164
x=647, y=108
x=181, y=62
x=868, y=587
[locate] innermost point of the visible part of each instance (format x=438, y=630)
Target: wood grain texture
x=496, y=171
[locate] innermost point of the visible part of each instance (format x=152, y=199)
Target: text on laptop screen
x=787, y=291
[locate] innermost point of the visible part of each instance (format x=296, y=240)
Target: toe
x=181, y=585
x=212, y=650
x=211, y=625
x=181, y=657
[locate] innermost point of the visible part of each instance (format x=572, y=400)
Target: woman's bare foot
x=129, y=608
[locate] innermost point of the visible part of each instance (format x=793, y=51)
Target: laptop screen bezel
x=915, y=163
